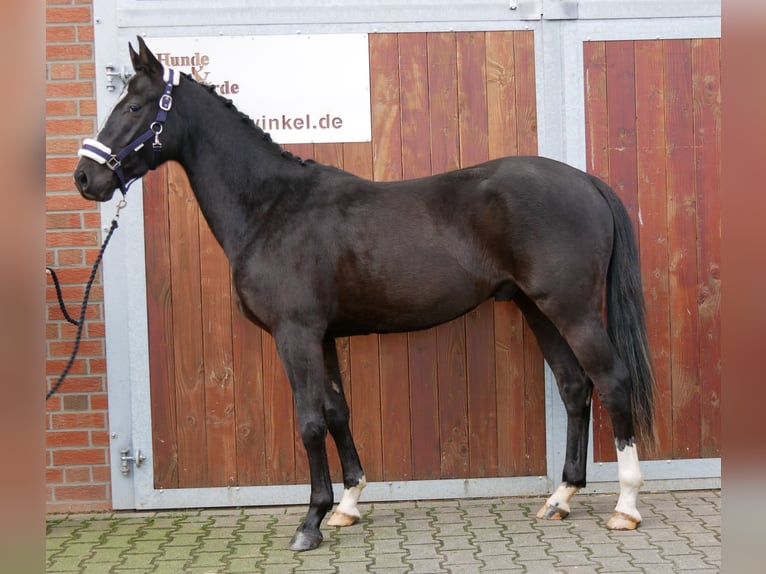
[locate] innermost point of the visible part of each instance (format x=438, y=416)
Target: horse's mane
x=250, y=123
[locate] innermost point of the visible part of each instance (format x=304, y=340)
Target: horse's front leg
x=337, y=416
x=301, y=353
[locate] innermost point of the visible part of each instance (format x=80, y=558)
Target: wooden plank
x=387, y=166
x=365, y=399
x=652, y=207
x=682, y=240
x=472, y=98
x=279, y=408
x=502, y=134
x=450, y=337
x=365, y=377
x=534, y=366
x=188, y=349
x=596, y=116
x=416, y=162
x=479, y=323
x=706, y=74
x=503, y=131
x=249, y=402
x=385, y=111
x=159, y=310
x=220, y=424
x=414, y=102
x=597, y=146
x=395, y=407
x=526, y=92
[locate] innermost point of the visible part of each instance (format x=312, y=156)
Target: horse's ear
x=144, y=60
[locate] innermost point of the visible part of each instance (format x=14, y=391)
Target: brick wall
x=77, y=471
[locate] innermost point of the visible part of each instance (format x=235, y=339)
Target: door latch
x=123, y=74
x=126, y=459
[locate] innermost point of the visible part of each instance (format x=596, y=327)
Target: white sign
x=300, y=89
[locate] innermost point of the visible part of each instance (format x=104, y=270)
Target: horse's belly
x=404, y=306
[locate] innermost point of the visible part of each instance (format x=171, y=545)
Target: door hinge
x=126, y=459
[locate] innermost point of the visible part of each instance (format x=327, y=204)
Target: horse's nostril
x=81, y=179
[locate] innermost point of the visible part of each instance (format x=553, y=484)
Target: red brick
x=70, y=238
x=59, y=183
x=95, y=329
x=70, y=257
x=86, y=70
x=92, y=221
x=97, y=365
x=69, y=126
x=68, y=201
x=73, y=275
x=86, y=349
x=101, y=473
x=69, y=89
x=54, y=475
x=80, y=492
x=82, y=384
x=78, y=420
x=68, y=52
x=61, y=14
x=62, y=71
x=53, y=404
x=60, y=34
x=55, y=366
x=78, y=438
x=99, y=402
x=66, y=220
x=60, y=164
x=77, y=474
x=79, y=456
x=85, y=33
x=58, y=145
x=87, y=107
x=60, y=108
x=99, y=438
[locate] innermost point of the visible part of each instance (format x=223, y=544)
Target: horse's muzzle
x=93, y=182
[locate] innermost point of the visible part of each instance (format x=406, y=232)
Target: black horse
x=318, y=253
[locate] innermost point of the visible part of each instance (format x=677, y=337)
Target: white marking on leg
x=347, y=512
x=557, y=506
x=629, y=474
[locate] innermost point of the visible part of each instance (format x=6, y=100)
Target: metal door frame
x=561, y=135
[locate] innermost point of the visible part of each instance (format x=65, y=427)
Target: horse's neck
x=235, y=174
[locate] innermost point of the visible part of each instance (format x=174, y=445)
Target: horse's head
x=126, y=147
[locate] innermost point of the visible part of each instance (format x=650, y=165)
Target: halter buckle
x=166, y=101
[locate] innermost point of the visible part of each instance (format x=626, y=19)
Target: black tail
x=626, y=322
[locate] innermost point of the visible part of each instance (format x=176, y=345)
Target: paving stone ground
x=681, y=532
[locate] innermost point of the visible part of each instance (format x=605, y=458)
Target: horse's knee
x=313, y=433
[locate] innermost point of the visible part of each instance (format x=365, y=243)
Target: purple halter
x=102, y=154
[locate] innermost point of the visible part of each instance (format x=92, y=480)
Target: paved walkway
x=681, y=532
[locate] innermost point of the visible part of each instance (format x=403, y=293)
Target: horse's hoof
x=341, y=519
x=622, y=521
x=552, y=512
x=303, y=540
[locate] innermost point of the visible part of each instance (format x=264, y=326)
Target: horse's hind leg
x=595, y=353
x=337, y=416
x=576, y=391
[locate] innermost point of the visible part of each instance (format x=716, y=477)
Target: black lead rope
x=81, y=323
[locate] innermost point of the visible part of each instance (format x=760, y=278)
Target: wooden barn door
x=652, y=111
x=463, y=400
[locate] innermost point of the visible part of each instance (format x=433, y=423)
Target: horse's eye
x=134, y=107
